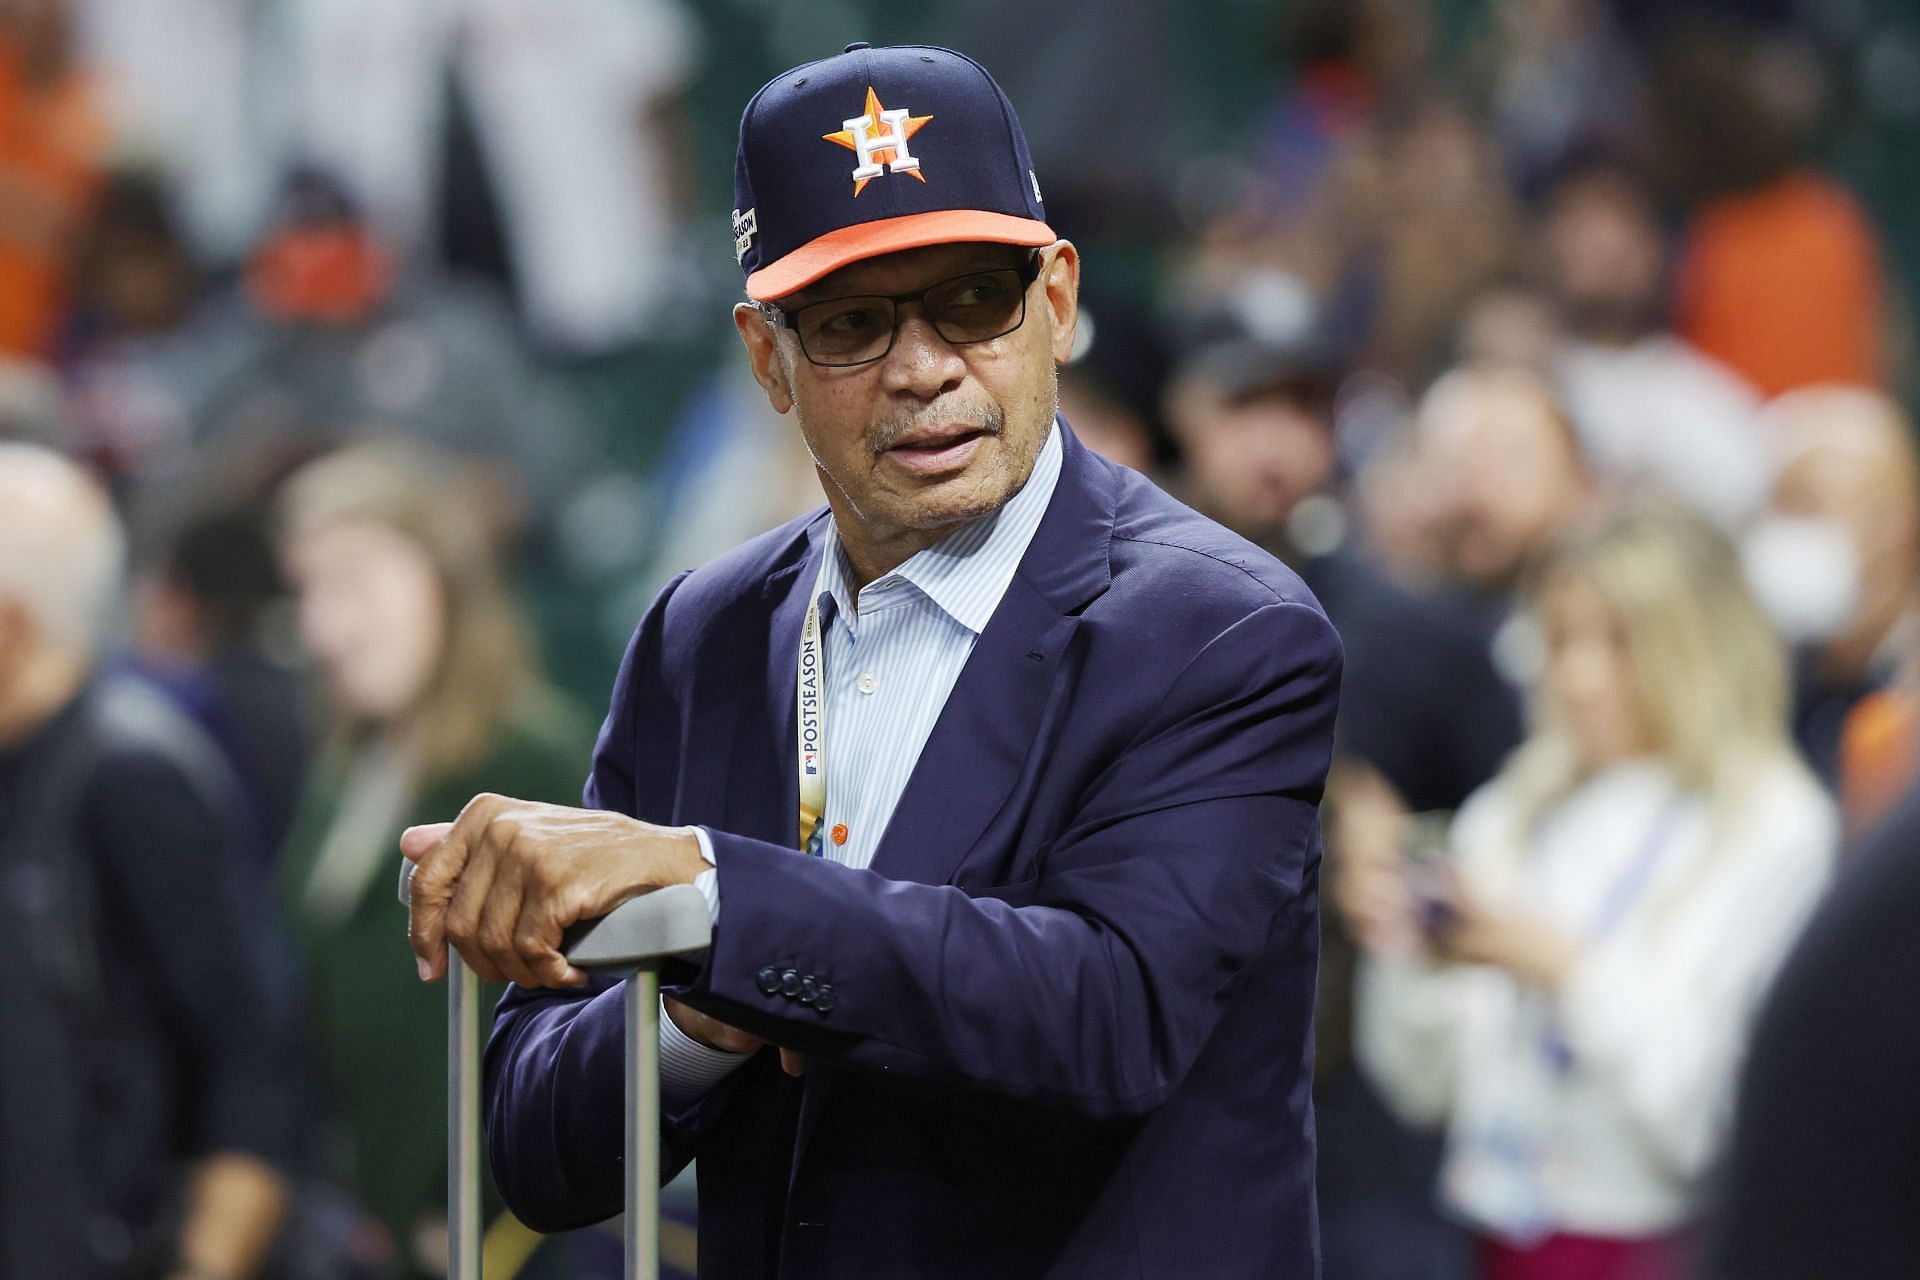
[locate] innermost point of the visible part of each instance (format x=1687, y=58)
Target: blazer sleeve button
x=790, y=983
x=768, y=980
x=824, y=999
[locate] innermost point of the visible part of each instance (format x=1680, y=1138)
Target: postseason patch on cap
x=873, y=151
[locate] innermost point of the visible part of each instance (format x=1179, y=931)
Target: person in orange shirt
x=52, y=144
x=1783, y=283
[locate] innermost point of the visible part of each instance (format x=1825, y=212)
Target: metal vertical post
x=643, y=1124
x=463, y=1120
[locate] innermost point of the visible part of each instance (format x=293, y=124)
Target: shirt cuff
x=689, y=1069
x=708, y=881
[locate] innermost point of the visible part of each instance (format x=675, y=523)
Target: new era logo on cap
x=873, y=151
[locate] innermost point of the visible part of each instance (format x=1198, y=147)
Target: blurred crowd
x=363, y=370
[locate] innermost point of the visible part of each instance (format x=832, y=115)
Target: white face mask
x=1806, y=574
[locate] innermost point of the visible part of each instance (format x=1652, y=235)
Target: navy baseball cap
x=872, y=151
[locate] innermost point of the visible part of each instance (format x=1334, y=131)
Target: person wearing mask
x=432, y=697
x=148, y=1111
x=1566, y=990
x=1836, y=561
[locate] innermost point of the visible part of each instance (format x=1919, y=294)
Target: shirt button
x=868, y=683
x=768, y=980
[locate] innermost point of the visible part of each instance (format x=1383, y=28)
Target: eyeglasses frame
x=1028, y=271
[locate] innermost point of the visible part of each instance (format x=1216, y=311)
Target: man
x=146, y=1095
x=1837, y=560
x=1042, y=1000
x=1649, y=405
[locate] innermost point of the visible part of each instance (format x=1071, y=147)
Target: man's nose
x=922, y=363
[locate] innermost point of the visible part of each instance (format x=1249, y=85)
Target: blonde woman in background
x=1567, y=992
x=429, y=680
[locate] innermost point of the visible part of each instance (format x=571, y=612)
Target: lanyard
x=1619, y=900
x=810, y=720
x=1636, y=875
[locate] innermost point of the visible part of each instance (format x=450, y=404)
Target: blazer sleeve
x=1097, y=995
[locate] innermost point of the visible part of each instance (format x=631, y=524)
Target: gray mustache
x=982, y=418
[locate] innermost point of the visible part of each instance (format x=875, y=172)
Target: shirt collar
x=966, y=572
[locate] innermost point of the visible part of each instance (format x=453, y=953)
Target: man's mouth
x=937, y=451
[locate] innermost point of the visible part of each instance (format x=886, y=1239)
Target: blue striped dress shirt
x=892, y=656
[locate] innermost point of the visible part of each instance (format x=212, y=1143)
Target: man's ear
x=1061, y=281
x=762, y=341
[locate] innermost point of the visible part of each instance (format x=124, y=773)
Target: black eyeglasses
x=977, y=307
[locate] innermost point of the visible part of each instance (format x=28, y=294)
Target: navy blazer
x=1070, y=1034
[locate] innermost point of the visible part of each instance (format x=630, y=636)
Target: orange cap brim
x=836, y=249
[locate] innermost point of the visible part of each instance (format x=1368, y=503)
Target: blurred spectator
x=1837, y=562
x=198, y=92
x=1650, y=407
x=147, y=1104
x=52, y=142
x=1560, y=79
x=434, y=700
x=333, y=338
x=572, y=106
x=1253, y=413
x=1780, y=270
x=1511, y=474
x=1826, y=1142
x=1346, y=68
x=128, y=349
x=1444, y=222
x=208, y=626
x=1567, y=990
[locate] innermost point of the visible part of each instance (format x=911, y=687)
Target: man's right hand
x=716, y=1034
x=711, y=1032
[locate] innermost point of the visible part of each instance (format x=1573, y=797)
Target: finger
x=794, y=1064
x=416, y=841
x=537, y=940
x=469, y=903
x=429, y=893
x=499, y=930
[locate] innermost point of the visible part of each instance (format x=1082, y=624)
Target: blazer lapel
x=979, y=746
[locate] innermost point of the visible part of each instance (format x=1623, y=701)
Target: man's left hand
x=504, y=880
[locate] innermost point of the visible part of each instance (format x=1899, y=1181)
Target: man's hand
x=711, y=1032
x=503, y=881
x=716, y=1034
